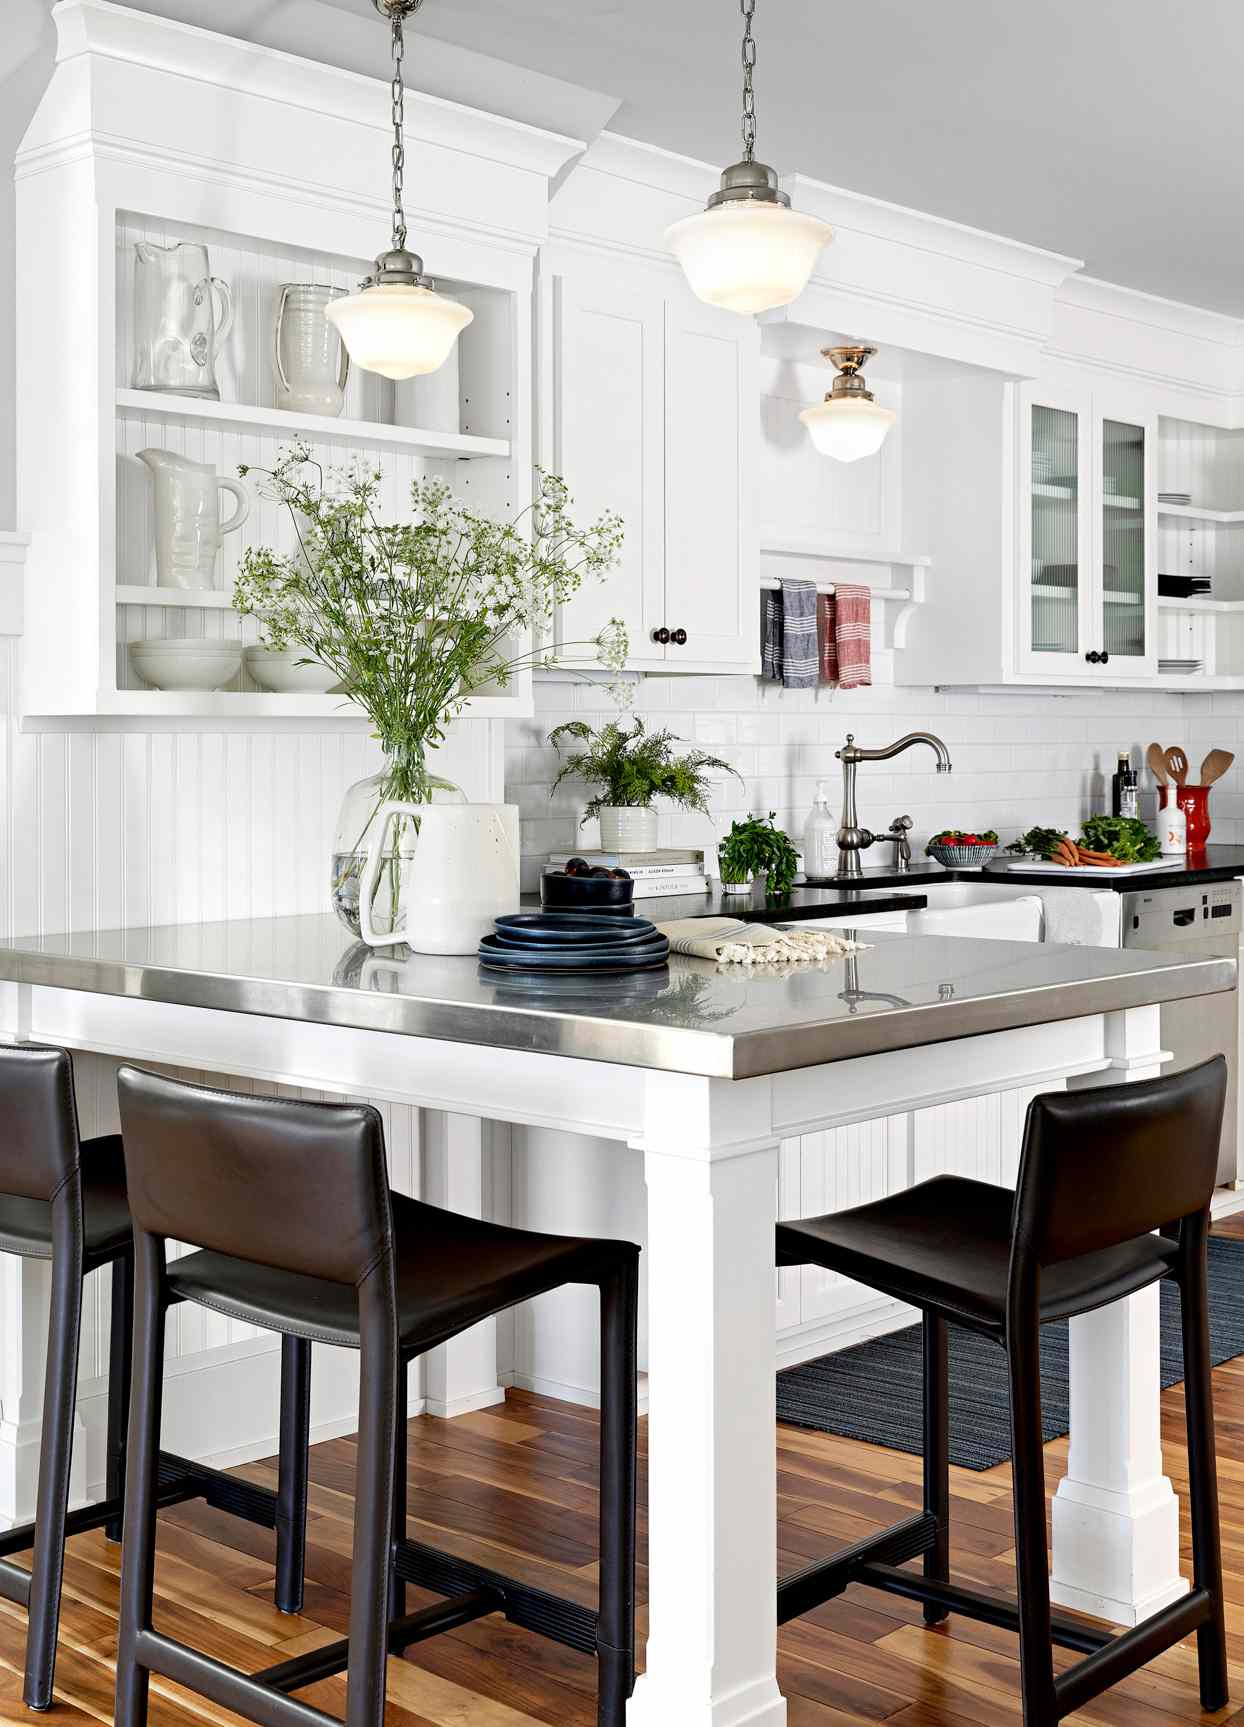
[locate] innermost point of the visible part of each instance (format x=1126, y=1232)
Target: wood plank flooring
x=516, y=1488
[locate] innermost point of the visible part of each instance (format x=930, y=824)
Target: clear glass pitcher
x=178, y=329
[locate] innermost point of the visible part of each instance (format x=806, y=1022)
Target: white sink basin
x=945, y=896
x=987, y=911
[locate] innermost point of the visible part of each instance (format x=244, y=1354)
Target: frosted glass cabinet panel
x=1123, y=540
x=1057, y=575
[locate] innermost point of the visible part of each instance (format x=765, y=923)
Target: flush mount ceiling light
x=748, y=251
x=397, y=324
x=848, y=424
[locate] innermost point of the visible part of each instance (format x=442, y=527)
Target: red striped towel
x=845, y=617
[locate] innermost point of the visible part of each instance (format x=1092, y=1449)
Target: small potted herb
x=755, y=848
x=633, y=766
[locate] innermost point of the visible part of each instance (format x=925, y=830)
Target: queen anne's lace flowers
x=415, y=616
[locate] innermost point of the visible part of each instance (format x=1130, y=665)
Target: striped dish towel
x=845, y=618
x=800, y=670
x=771, y=635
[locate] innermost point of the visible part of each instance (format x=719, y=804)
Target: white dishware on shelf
x=177, y=330
x=308, y=355
x=289, y=672
x=186, y=662
x=188, y=528
x=450, y=871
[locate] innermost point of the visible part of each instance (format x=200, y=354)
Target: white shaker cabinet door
x=609, y=342
x=712, y=424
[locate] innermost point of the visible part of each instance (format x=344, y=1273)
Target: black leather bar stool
x=64, y=1199
x=1101, y=1169
x=289, y=1204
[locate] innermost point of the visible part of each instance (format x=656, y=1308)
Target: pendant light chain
x=748, y=9
x=399, y=134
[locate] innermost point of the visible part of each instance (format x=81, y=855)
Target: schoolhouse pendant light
x=848, y=424
x=397, y=324
x=748, y=251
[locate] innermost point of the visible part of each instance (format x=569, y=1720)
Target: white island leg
x=1115, y=1515
x=712, y=1172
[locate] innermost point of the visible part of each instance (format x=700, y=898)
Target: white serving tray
x=1035, y=867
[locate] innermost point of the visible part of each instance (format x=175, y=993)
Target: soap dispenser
x=820, y=839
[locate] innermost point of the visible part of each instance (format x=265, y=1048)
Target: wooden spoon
x=1215, y=766
x=1177, y=765
x=1155, y=755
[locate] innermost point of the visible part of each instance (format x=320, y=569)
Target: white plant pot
x=624, y=829
x=445, y=882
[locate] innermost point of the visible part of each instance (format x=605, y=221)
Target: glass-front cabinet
x=1088, y=582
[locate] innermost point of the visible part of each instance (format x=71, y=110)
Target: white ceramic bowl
x=281, y=672
x=186, y=663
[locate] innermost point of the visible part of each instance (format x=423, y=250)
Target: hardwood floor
x=516, y=1487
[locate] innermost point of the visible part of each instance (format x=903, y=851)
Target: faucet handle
x=901, y=824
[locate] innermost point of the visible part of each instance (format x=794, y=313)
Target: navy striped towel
x=771, y=635
x=801, y=667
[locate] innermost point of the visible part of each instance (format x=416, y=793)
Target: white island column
x=1115, y=1515
x=711, y=1163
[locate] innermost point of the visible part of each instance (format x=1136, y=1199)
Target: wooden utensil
x=1177, y=765
x=1155, y=756
x=1215, y=766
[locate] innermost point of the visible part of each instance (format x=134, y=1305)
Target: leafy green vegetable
x=1124, y=837
x=1038, y=841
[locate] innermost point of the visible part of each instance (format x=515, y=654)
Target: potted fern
x=633, y=767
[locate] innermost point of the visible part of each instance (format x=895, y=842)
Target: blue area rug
x=873, y=1391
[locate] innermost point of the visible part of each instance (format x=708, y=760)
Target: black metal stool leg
x=373, y=1500
x=142, y=1462
x=615, y=1636
x=1032, y=1565
x=60, y=1387
x=937, y=1455
x=120, y=1359
x=1211, y=1638
x=291, y=1498
x=401, y=1404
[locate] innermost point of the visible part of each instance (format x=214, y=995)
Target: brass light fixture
x=848, y=424
x=397, y=324
x=748, y=251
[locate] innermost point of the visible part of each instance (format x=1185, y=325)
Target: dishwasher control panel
x=1165, y=916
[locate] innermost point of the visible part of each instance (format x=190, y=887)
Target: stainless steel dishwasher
x=1204, y=919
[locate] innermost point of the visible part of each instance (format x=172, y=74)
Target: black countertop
x=1214, y=863
x=801, y=902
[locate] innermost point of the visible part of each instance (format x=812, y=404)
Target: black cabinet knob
x=662, y=635
x=1104, y=658
x=679, y=638
x=1093, y=657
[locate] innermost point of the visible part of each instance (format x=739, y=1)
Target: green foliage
x=414, y=615
x=755, y=847
x=1124, y=837
x=634, y=766
x=1040, y=842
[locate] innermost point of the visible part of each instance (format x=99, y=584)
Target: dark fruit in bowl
x=578, y=866
x=601, y=873
x=621, y=875
x=595, y=890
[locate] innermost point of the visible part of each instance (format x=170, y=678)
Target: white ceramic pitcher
x=456, y=870
x=188, y=528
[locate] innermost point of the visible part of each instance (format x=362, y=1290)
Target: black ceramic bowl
x=562, y=892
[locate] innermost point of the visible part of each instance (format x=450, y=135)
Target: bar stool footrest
x=1131, y=1649
x=413, y=1628
x=801, y=1591
x=997, y=1610
x=244, y=1499
x=533, y=1609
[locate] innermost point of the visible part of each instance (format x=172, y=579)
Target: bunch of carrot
x=1073, y=856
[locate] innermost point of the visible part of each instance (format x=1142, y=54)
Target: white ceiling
x=1112, y=130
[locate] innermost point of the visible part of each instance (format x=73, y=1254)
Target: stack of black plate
x=553, y=943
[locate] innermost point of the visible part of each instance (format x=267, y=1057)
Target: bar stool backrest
x=39, y=1148
x=1104, y=1165
x=300, y=1187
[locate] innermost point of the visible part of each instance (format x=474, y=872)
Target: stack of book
x=655, y=874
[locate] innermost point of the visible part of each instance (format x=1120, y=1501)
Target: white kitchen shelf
x=843, y=555
x=1196, y=514
x=1111, y=500
x=185, y=599
x=1165, y=604
x=456, y=445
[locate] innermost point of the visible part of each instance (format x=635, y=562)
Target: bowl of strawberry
x=958, y=848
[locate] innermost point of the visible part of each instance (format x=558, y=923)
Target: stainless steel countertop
x=694, y=1017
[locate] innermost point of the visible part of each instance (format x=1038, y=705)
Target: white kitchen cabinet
x=1086, y=594
x=654, y=415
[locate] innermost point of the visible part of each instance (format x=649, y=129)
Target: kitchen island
x=706, y=1070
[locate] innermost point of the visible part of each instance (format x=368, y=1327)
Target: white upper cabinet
x=654, y=415
x=1087, y=577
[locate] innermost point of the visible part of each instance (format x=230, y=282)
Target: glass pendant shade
x=848, y=429
x=749, y=255
x=397, y=329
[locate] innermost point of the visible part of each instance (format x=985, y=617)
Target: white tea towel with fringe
x=732, y=942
